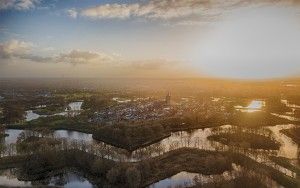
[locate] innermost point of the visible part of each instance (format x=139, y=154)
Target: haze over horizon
x=150, y=93
x=236, y=39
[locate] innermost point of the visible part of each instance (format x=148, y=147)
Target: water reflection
x=188, y=179
x=288, y=104
x=288, y=148
x=30, y=115
x=73, y=135
x=120, y=100
x=288, y=115
x=8, y=178
x=75, y=106
x=72, y=109
x=291, y=118
x=182, y=179
x=13, y=135
x=254, y=106
x=195, y=139
x=68, y=178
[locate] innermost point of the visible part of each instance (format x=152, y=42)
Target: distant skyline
x=241, y=39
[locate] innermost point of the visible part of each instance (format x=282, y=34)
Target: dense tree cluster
x=131, y=136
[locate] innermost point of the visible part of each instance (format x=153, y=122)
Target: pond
x=188, y=179
x=68, y=178
x=7, y=178
x=75, y=106
x=182, y=179
x=291, y=118
x=73, y=135
x=73, y=109
x=30, y=115
x=120, y=100
x=13, y=135
x=288, y=148
x=288, y=104
x=254, y=106
x=288, y=115
x=193, y=139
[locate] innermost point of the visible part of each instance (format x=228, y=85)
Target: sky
x=242, y=39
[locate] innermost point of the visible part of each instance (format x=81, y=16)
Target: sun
x=252, y=43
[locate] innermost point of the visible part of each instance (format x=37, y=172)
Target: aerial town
x=150, y=93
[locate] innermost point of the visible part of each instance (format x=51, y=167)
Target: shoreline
x=186, y=159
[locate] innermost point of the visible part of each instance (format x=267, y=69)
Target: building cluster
x=154, y=109
x=136, y=109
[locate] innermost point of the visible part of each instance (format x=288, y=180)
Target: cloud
x=168, y=9
x=72, y=13
x=110, y=11
x=85, y=57
x=22, y=50
x=154, y=9
x=18, y=4
x=188, y=23
x=36, y=58
x=5, y=4
x=152, y=64
x=14, y=48
x=22, y=58
x=178, y=11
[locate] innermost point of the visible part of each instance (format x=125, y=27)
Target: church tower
x=168, y=99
